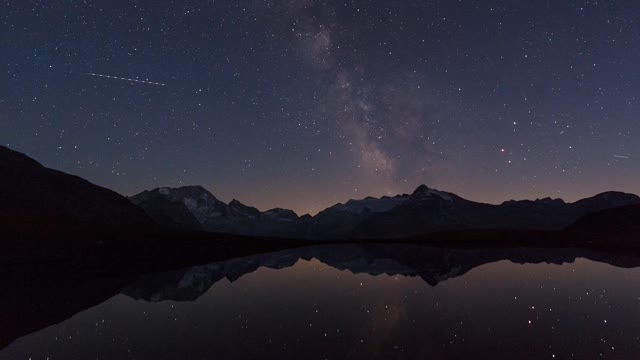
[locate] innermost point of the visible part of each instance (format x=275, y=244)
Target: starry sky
x=303, y=104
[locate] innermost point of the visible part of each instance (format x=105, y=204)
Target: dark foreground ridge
x=33, y=197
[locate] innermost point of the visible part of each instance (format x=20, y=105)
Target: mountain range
x=195, y=208
x=163, y=229
x=422, y=212
x=33, y=197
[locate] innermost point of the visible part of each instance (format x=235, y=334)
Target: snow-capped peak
x=424, y=192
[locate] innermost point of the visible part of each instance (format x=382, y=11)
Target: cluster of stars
x=488, y=100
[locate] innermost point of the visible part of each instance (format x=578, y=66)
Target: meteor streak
x=125, y=79
x=620, y=156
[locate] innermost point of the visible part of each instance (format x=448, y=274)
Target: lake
x=337, y=302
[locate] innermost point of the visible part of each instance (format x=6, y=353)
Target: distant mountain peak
x=281, y=214
x=194, y=199
x=194, y=188
x=193, y=191
x=239, y=209
x=421, y=189
x=237, y=205
x=616, y=195
x=610, y=199
x=549, y=200
x=281, y=211
x=423, y=192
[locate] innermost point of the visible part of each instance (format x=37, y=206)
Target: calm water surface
x=355, y=303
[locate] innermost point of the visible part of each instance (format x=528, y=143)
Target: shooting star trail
x=125, y=79
x=620, y=156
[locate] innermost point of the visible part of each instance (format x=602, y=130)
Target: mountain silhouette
x=428, y=210
x=195, y=208
x=623, y=220
x=157, y=265
x=33, y=197
x=423, y=212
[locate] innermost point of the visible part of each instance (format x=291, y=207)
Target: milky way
x=302, y=104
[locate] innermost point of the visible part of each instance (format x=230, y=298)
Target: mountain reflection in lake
x=361, y=302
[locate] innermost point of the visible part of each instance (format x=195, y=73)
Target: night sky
x=302, y=104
